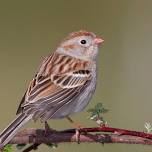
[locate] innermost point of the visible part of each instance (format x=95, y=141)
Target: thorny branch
x=98, y=134
x=102, y=134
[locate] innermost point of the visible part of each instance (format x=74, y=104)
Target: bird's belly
x=86, y=96
x=79, y=103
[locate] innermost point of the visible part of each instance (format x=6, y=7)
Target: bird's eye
x=83, y=41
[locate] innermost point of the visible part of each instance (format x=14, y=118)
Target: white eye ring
x=84, y=41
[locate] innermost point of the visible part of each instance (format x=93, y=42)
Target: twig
x=116, y=136
x=32, y=147
x=97, y=134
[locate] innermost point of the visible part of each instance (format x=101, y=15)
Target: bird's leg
x=48, y=129
x=75, y=125
x=78, y=127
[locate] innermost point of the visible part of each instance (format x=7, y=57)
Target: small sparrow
x=63, y=85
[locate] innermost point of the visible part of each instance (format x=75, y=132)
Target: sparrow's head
x=81, y=44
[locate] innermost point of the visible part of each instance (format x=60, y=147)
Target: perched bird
x=63, y=85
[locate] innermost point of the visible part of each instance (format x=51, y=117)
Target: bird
x=63, y=84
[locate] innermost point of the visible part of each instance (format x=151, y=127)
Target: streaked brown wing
x=49, y=106
x=19, y=110
x=48, y=99
x=71, y=79
x=54, y=85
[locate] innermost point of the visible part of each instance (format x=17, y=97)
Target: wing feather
x=51, y=90
x=72, y=79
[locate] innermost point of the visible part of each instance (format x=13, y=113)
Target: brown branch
x=102, y=134
x=38, y=136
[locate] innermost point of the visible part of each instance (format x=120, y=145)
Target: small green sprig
x=20, y=146
x=148, y=127
x=96, y=114
x=7, y=148
x=52, y=145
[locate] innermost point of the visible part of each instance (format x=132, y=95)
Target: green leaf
x=148, y=127
x=96, y=113
x=100, y=109
x=52, y=145
x=20, y=146
x=7, y=148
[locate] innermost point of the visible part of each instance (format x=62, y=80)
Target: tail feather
x=8, y=133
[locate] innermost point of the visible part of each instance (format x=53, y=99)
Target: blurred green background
x=29, y=30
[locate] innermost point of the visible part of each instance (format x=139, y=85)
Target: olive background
x=30, y=30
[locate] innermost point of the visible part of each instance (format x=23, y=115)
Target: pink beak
x=98, y=40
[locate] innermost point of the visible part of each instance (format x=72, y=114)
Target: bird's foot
x=77, y=135
x=74, y=124
x=78, y=129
